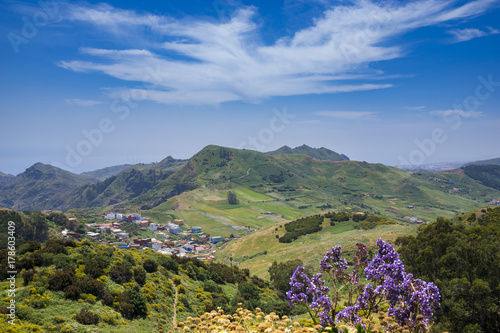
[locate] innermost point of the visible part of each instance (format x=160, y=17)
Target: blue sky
x=92, y=84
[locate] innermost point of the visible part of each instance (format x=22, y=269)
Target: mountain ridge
x=322, y=153
x=293, y=180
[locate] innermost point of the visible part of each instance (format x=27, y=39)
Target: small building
x=162, y=235
x=73, y=234
x=216, y=239
x=179, y=221
x=110, y=216
x=494, y=202
x=413, y=219
x=156, y=246
x=126, y=247
x=142, y=242
x=94, y=235
x=239, y=228
x=175, y=230
x=104, y=226
x=195, y=230
x=123, y=235
x=199, y=249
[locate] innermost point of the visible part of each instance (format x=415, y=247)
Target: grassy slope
x=248, y=252
x=305, y=185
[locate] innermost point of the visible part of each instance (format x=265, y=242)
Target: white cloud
x=201, y=61
x=82, y=102
x=462, y=35
x=351, y=115
x=454, y=113
x=421, y=107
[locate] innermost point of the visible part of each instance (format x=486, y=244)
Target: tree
x=464, y=262
x=232, y=199
x=281, y=273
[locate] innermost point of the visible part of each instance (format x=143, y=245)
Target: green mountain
x=317, y=153
x=6, y=179
x=488, y=175
x=283, y=187
x=493, y=161
x=271, y=187
x=105, y=173
x=129, y=183
x=41, y=186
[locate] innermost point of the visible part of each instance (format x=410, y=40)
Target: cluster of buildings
x=184, y=244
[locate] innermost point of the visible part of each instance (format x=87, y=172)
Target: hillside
x=322, y=153
x=278, y=188
x=6, y=179
x=76, y=286
x=258, y=250
x=488, y=175
x=492, y=161
x=41, y=186
x=129, y=183
x=105, y=173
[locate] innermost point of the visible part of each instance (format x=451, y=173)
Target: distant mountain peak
x=322, y=153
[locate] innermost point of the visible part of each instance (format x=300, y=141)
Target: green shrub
x=62, y=279
x=85, y=317
x=140, y=276
x=107, y=298
x=67, y=329
x=177, y=280
x=59, y=319
x=150, y=266
x=72, y=292
x=111, y=318
x=181, y=289
x=28, y=276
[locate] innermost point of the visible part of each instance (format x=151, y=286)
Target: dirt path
x=174, y=319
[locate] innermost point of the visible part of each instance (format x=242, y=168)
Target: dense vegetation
x=463, y=260
x=488, y=175
x=29, y=226
x=311, y=224
x=66, y=285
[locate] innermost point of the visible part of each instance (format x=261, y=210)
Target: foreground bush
x=243, y=320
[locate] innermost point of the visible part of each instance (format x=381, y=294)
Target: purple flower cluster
x=407, y=297
x=302, y=287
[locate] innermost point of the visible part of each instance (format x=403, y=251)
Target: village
x=171, y=238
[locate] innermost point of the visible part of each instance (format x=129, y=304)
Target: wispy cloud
x=421, y=107
x=351, y=115
x=82, y=102
x=454, y=113
x=201, y=61
x=462, y=35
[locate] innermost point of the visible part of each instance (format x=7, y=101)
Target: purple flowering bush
x=411, y=302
